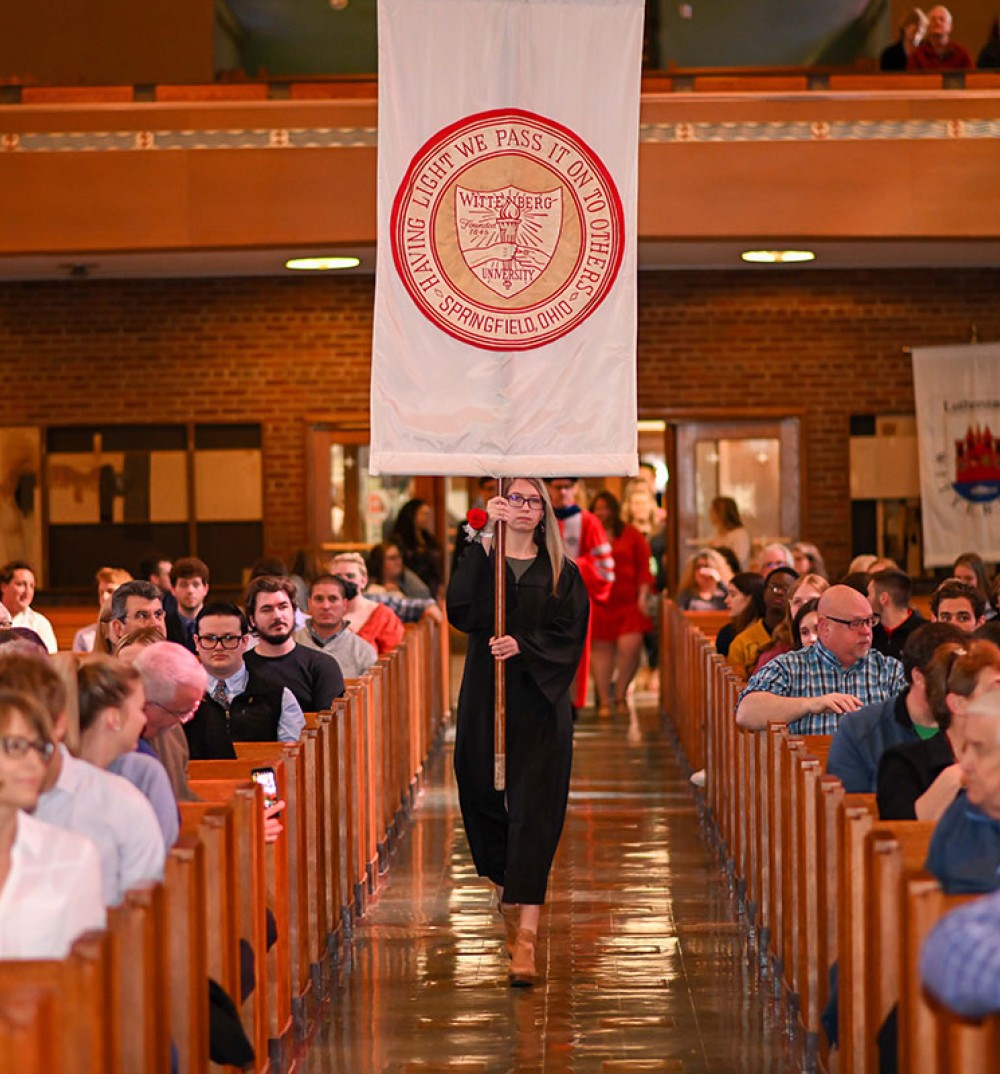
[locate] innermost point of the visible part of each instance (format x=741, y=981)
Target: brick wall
x=275, y=350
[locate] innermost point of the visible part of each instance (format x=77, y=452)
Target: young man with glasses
x=235, y=708
x=811, y=689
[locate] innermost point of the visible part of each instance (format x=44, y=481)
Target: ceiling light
x=321, y=264
x=777, y=257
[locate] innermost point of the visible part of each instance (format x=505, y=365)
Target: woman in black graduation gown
x=513, y=835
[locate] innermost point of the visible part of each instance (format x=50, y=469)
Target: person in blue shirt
x=960, y=961
x=811, y=689
x=964, y=853
x=861, y=740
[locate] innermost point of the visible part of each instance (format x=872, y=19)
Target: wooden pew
x=891, y=848
x=270, y=1005
x=932, y=1040
x=187, y=896
x=63, y=1015
x=857, y=817
x=140, y=967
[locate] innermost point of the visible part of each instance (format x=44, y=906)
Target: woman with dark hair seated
x=745, y=602
x=421, y=549
x=386, y=571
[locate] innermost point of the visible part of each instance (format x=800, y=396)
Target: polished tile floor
x=644, y=965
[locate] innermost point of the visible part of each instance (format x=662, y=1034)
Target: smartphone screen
x=267, y=779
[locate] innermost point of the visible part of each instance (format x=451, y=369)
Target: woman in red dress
x=618, y=626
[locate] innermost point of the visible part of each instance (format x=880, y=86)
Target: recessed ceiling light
x=777, y=257
x=321, y=264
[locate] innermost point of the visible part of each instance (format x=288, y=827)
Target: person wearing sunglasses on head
x=812, y=689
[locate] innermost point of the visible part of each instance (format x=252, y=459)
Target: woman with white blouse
x=50, y=878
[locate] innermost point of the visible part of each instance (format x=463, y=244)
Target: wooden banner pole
x=499, y=666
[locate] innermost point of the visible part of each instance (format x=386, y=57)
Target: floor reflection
x=643, y=965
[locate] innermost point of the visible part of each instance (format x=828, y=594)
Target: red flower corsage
x=477, y=525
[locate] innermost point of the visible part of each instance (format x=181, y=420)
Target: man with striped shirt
x=812, y=689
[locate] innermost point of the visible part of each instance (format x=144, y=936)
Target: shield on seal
x=507, y=237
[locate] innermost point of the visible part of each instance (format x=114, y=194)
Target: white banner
x=505, y=300
x=957, y=392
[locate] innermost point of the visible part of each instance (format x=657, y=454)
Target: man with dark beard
x=313, y=677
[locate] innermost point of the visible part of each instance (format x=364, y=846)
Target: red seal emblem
x=507, y=230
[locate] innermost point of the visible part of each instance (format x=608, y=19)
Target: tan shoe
x=522, y=967
x=511, y=923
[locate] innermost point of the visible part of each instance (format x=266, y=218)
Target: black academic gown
x=513, y=836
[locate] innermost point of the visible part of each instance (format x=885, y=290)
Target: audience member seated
x=748, y=643
x=937, y=51
x=745, y=603
x=989, y=55
x=889, y=593
x=807, y=559
x=156, y=569
x=911, y=32
x=970, y=569
x=189, y=581
x=327, y=630
x=812, y=689
x=805, y=625
x=421, y=549
x=919, y=780
x=272, y=567
x=50, y=879
x=960, y=960
x=17, y=591
x=314, y=679
x=702, y=584
x=773, y=556
x=135, y=605
x=964, y=853
x=237, y=707
x=108, y=580
x=861, y=741
x=21, y=640
x=84, y=799
x=862, y=564
x=375, y=622
x=112, y=718
x=389, y=574
x=809, y=587
x=174, y=681
x=955, y=602
x=728, y=530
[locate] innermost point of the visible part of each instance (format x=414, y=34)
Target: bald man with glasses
x=812, y=689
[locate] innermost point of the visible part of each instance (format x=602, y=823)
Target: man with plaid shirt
x=811, y=689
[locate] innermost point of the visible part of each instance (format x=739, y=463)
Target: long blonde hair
x=550, y=529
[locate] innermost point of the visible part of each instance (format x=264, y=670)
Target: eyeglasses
x=213, y=641
x=183, y=717
x=515, y=499
x=862, y=623
x=17, y=746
